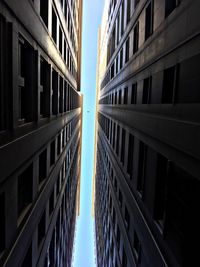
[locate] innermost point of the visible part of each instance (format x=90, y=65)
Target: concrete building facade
x=40, y=130
x=147, y=188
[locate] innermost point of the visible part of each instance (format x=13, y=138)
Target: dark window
x=136, y=38
x=148, y=21
x=160, y=190
x=65, y=51
x=117, y=141
x=59, y=144
x=169, y=85
x=52, y=250
x=60, y=40
x=126, y=95
x=146, y=97
x=44, y=87
x=28, y=258
x=130, y=155
x=121, y=58
x=42, y=166
x=4, y=114
x=170, y=5
x=122, y=17
x=134, y=94
x=120, y=97
x=51, y=203
x=136, y=2
x=141, y=167
x=2, y=222
x=124, y=259
x=44, y=11
x=127, y=50
x=55, y=93
x=128, y=11
x=26, y=96
x=112, y=71
x=54, y=25
x=52, y=153
x=137, y=247
x=118, y=236
x=41, y=228
x=120, y=198
x=61, y=95
x=65, y=96
x=127, y=218
x=24, y=189
x=116, y=64
x=123, y=141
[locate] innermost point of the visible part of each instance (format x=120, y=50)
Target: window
x=120, y=198
x=54, y=26
x=130, y=156
x=121, y=58
x=117, y=141
x=112, y=72
x=60, y=40
x=26, y=96
x=127, y=50
x=24, y=189
x=127, y=218
x=134, y=94
x=122, y=17
x=160, y=190
x=44, y=87
x=118, y=236
x=52, y=153
x=65, y=96
x=44, y=11
x=128, y=11
x=3, y=101
x=65, y=51
x=28, y=258
x=42, y=166
x=141, y=167
x=120, y=97
x=58, y=144
x=125, y=95
x=123, y=141
x=2, y=222
x=124, y=259
x=116, y=64
x=146, y=97
x=136, y=2
x=41, y=228
x=136, y=38
x=148, y=21
x=169, y=85
x=137, y=247
x=61, y=95
x=54, y=93
x=51, y=203
x=170, y=5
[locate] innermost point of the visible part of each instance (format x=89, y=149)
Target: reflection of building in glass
x=40, y=130
x=147, y=189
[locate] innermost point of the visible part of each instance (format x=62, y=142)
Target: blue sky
x=84, y=254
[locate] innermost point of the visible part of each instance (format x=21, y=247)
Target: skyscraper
x=40, y=130
x=147, y=188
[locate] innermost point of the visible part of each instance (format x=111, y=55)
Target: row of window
x=45, y=162
x=58, y=36
x=124, y=55
x=43, y=96
x=60, y=236
x=167, y=87
x=172, y=206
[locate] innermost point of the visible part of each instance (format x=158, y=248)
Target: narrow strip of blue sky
x=84, y=255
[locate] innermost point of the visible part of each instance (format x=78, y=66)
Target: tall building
x=147, y=187
x=40, y=130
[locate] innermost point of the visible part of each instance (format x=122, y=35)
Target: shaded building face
x=147, y=172
x=40, y=131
